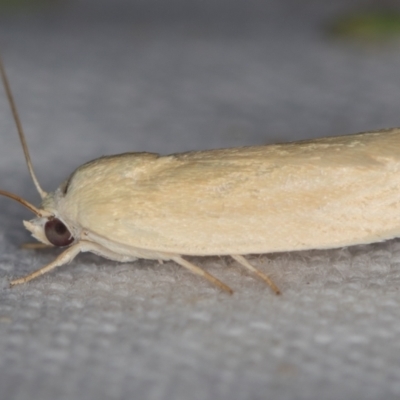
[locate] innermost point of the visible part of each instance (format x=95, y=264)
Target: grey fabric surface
x=93, y=78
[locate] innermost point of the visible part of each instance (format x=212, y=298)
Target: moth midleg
x=241, y=260
x=198, y=271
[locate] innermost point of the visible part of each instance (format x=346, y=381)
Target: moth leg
x=198, y=271
x=36, y=246
x=64, y=258
x=241, y=260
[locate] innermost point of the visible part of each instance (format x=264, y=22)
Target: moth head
x=46, y=227
x=50, y=230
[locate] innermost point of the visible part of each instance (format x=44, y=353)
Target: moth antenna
x=29, y=206
x=17, y=120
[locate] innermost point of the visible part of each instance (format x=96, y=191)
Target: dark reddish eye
x=57, y=233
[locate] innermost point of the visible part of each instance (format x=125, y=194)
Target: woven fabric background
x=101, y=77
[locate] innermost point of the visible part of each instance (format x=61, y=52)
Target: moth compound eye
x=57, y=233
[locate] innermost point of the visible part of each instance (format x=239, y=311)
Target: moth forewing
x=325, y=193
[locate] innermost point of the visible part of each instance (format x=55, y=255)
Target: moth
x=318, y=194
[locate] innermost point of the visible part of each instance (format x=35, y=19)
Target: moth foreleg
x=64, y=258
x=241, y=260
